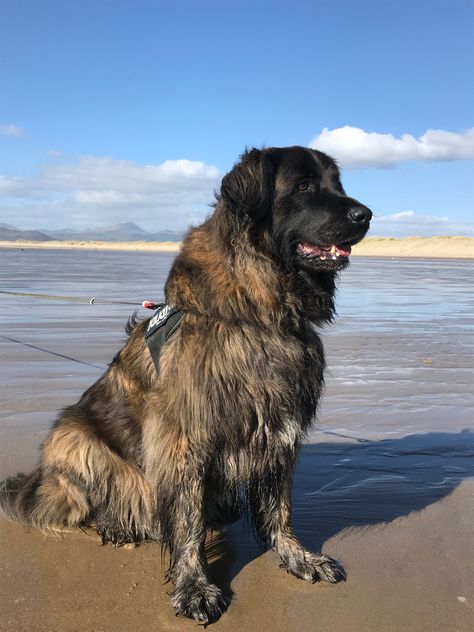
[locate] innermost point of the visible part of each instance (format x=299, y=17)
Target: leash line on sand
x=75, y=299
x=60, y=355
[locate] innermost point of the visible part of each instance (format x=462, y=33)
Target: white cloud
x=409, y=223
x=354, y=147
x=410, y=217
x=95, y=190
x=12, y=130
x=396, y=217
x=53, y=153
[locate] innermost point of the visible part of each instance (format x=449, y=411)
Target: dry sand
x=429, y=247
x=161, y=246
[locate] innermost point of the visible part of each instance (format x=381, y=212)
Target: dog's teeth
x=333, y=250
x=334, y=257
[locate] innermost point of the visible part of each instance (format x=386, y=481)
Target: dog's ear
x=248, y=188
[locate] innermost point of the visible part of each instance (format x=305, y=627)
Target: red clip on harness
x=150, y=305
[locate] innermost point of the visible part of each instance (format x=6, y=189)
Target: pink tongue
x=344, y=253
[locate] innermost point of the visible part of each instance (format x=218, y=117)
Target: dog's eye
x=303, y=186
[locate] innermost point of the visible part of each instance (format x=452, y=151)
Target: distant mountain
x=8, y=234
x=126, y=231
x=117, y=232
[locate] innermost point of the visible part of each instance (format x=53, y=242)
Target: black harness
x=161, y=326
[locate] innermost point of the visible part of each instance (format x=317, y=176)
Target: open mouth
x=311, y=251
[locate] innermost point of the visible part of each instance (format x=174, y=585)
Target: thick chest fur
x=251, y=389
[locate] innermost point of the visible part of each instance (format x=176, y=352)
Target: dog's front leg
x=194, y=596
x=274, y=518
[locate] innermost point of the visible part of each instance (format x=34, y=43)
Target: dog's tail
x=18, y=496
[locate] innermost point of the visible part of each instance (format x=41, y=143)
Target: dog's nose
x=360, y=214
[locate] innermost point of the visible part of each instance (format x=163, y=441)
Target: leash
x=60, y=355
x=75, y=299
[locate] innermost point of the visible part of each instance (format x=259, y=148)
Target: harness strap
x=161, y=326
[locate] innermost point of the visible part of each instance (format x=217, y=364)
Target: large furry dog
x=164, y=455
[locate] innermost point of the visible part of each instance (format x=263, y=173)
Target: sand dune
x=436, y=247
x=429, y=247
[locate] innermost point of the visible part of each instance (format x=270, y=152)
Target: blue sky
x=115, y=110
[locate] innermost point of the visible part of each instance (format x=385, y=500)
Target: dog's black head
x=297, y=195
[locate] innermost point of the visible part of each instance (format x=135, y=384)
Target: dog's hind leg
x=46, y=498
x=82, y=481
x=54, y=495
x=271, y=508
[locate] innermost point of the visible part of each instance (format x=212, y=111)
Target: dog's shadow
x=340, y=485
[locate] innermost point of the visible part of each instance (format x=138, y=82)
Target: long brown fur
x=143, y=455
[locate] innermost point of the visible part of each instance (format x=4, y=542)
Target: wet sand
x=383, y=484
x=431, y=247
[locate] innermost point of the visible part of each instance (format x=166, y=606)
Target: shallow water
x=394, y=432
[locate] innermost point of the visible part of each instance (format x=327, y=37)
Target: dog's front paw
x=200, y=601
x=315, y=568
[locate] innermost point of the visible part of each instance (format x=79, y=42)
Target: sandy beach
x=70, y=583
x=430, y=247
x=384, y=482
